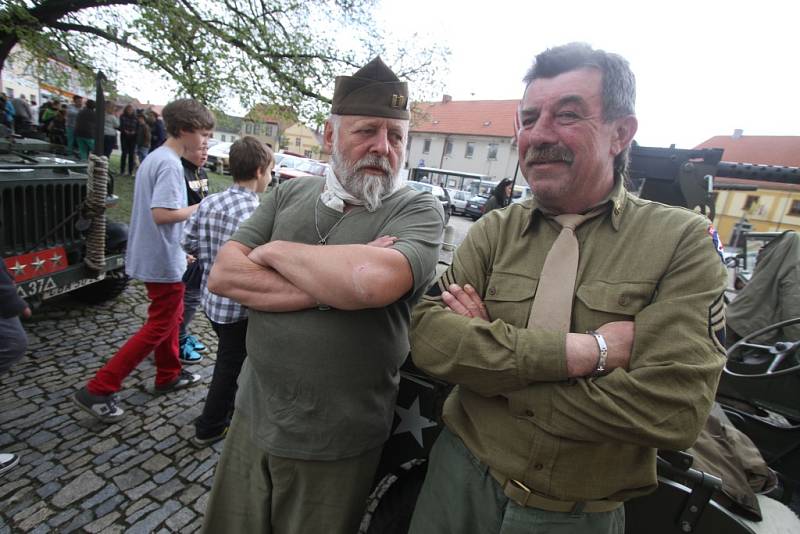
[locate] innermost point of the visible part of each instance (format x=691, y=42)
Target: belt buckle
x=523, y=487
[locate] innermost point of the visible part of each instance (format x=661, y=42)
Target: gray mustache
x=374, y=161
x=551, y=153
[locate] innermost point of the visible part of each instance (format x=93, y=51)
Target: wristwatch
x=601, y=359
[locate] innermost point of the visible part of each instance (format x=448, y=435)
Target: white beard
x=368, y=188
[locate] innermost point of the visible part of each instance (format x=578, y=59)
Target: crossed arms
x=281, y=276
x=665, y=368
x=581, y=350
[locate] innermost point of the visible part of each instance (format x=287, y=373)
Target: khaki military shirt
x=514, y=407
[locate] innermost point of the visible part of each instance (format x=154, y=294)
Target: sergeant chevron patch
x=440, y=286
x=716, y=323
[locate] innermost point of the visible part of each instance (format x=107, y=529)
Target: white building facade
x=21, y=77
x=467, y=136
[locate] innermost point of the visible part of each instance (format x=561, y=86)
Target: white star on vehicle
x=19, y=268
x=412, y=421
x=56, y=258
x=38, y=263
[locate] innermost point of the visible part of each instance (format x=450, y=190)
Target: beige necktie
x=552, y=305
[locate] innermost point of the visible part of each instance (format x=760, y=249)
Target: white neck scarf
x=334, y=195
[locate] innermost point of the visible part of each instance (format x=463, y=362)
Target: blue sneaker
x=188, y=354
x=196, y=344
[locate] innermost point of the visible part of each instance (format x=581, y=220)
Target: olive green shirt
x=514, y=407
x=320, y=384
x=773, y=293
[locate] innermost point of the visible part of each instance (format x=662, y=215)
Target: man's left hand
x=465, y=301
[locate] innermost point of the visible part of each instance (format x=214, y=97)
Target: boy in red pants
x=155, y=257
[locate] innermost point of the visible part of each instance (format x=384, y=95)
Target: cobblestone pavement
x=78, y=475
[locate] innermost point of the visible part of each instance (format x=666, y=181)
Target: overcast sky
x=703, y=67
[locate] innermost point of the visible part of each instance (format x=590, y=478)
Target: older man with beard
x=582, y=327
x=329, y=268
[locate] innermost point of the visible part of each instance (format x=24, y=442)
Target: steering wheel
x=779, y=352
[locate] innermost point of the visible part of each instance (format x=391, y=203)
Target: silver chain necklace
x=323, y=239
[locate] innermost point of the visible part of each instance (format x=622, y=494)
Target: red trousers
x=159, y=335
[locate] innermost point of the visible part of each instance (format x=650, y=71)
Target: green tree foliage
x=284, y=52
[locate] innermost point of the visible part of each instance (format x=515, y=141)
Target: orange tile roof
x=465, y=117
x=763, y=149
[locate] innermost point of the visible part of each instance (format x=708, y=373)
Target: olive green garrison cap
x=374, y=90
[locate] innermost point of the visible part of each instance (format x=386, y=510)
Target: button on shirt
x=215, y=220
x=514, y=407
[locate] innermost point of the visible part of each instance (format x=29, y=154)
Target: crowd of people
x=74, y=125
x=570, y=369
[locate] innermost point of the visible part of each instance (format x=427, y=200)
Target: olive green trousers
x=459, y=496
x=256, y=492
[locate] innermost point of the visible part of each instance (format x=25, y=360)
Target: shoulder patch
x=712, y=232
x=440, y=285
x=716, y=323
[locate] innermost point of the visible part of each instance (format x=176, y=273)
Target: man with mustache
x=573, y=359
x=329, y=268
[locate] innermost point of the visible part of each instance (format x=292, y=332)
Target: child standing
x=216, y=219
x=196, y=190
x=155, y=257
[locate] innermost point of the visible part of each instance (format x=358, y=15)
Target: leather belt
x=524, y=496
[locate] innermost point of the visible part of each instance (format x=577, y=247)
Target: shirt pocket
x=509, y=297
x=604, y=301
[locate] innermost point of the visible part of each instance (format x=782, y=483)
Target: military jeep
x=53, y=239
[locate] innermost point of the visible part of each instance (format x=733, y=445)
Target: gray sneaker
x=184, y=380
x=197, y=441
x=102, y=407
x=7, y=461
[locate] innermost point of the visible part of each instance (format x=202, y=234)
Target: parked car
x=485, y=188
x=285, y=160
x=475, y=205
x=218, y=157
x=305, y=167
x=441, y=194
x=458, y=201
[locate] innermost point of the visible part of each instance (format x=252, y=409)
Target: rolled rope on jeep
x=97, y=188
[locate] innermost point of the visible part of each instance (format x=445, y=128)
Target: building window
x=268, y=130
x=308, y=154
x=256, y=129
x=298, y=141
x=492, y=155
x=426, y=146
x=470, y=150
x=248, y=128
x=751, y=200
x=794, y=208
x=222, y=137
x=448, y=148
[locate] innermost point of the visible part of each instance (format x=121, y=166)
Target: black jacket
x=196, y=182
